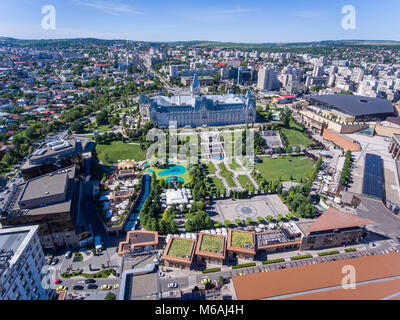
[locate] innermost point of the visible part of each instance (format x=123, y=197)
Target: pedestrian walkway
x=192, y=281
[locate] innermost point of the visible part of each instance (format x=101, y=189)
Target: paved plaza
x=257, y=206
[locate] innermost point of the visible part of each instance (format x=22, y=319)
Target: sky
x=250, y=21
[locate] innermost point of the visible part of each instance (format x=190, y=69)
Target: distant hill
x=213, y=44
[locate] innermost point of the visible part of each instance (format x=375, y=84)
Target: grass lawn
x=218, y=184
x=295, y=136
x=284, y=167
x=210, y=168
x=185, y=176
x=245, y=181
x=211, y=244
x=180, y=248
x=117, y=150
x=235, y=166
x=227, y=175
x=240, y=239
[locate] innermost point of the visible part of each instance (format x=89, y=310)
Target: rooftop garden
x=241, y=239
x=180, y=248
x=211, y=244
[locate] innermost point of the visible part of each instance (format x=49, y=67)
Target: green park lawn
x=103, y=128
x=295, y=136
x=240, y=239
x=210, y=168
x=118, y=150
x=227, y=175
x=284, y=167
x=180, y=248
x=245, y=181
x=235, y=166
x=211, y=244
x=218, y=184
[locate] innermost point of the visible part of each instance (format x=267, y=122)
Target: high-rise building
x=267, y=78
x=21, y=265
x=173, y=71
x=318, y=71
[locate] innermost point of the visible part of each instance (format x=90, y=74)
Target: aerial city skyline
x=211, y=151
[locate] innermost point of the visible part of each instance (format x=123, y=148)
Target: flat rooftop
x=44, y=186
x=356, y=105
x=16, y=239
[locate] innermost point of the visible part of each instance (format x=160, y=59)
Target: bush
x=273, y=261
x=321, y=254
x=244, y=265
x=350, y=250
x=306, y=256
x=211, y=270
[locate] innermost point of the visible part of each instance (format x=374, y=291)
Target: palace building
x=197, y=110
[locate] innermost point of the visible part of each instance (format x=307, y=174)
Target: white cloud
x=114, y=7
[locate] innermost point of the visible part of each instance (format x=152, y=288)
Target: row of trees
x=151, y=214
x=345, y=176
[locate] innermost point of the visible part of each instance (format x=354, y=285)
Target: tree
x=227, y=223
x=249, y=221
x=238, y=222
x=110, y=296
x=102, y=117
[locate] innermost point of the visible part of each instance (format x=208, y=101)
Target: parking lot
x=379, y=146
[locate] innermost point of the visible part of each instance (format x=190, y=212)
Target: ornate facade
x=197, y=111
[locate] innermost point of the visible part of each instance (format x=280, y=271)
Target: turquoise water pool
x=150, y=170
x=174, y=170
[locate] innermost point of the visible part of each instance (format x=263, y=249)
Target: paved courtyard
x=379, y=146
x=257, y=206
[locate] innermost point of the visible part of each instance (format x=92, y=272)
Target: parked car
x=57, y=281
x=116, y=286
x=68, y=254
x=90, y=281
x=54, y=261
x=92, y=286
x=205, y=280
x=172, y=285
x=62, y=288
x=105, y=287
x=161, y=274
x=77, y=288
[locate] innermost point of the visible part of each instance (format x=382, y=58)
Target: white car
x=161, y=274
x=172, y=285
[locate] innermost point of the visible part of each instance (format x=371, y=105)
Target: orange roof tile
x=302, y=279
x=340, y=141
x=334, y=219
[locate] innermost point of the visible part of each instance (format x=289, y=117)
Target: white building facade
x=21, y=265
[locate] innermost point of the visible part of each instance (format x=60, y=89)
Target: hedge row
x=301, y=257
x=328, y=253
x=211, y=270
x=245, y=265
x=350, y=250
x=101, y=274
x=273, y=261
